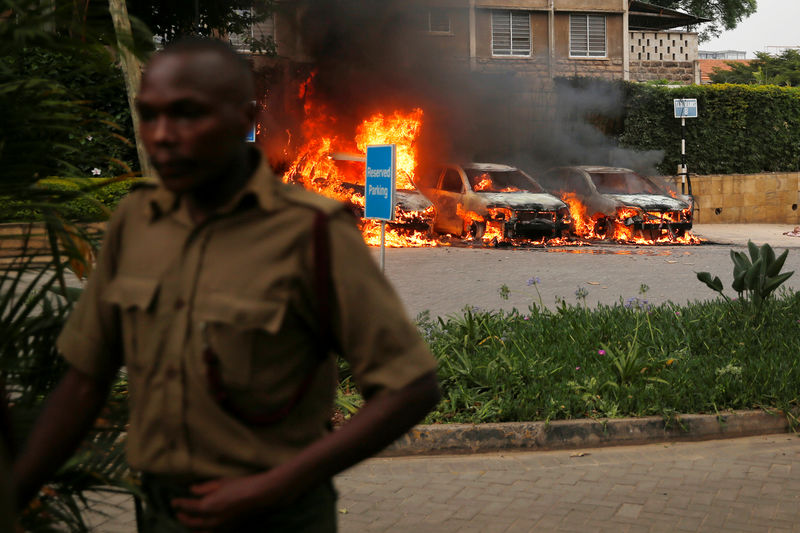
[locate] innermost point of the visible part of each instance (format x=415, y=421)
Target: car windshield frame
x=502, y=180
x=625, y=182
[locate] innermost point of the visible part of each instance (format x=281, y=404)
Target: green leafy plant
x=504, y=291
x=754, y=278
x=576, y=361
x=33, y=307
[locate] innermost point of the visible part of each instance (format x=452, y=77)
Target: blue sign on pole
x=685, y=107
x=379, y=182
x=251, y=135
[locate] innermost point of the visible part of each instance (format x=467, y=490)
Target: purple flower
x=577, y=368
x=601, y=352
x=534, y=281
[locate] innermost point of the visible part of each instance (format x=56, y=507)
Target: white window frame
x=444, y=14
x=588, y=49
x=510, y=18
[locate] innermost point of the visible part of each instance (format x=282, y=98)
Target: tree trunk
x=131, y=68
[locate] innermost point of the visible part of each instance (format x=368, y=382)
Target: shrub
x=739, y=129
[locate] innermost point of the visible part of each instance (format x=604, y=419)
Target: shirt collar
x=261, y=186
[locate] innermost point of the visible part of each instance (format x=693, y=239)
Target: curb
x=584, y=433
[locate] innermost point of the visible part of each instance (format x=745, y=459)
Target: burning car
x=485, y=201
x=612, y=203
x=412, y=209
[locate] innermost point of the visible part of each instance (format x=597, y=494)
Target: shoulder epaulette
x=144, y=183
x=298, y=195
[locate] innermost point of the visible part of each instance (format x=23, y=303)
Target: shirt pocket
x=230, y=327
x=136, y=300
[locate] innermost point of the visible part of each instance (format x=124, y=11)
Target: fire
x=620, y=227
x=584, y=225
x=331, y=162
x=315, y=167
x=484, y=185
x=398, y=129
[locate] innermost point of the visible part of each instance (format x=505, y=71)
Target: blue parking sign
x=379, y=182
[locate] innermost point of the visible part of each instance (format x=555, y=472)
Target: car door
x=448, y=194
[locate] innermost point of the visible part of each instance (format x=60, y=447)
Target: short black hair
x=198, y=45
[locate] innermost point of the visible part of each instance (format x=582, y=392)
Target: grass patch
x=629, y=359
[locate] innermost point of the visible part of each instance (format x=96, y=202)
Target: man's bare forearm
x=67, y=417
x=377, y=424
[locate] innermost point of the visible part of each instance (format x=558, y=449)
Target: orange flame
x=484, y=185
x=398, y=129
x=315, y=169
x=598, y=226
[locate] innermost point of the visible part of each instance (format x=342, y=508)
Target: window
x=257, y=36
x=511, y=33
x=438, y=21
x=451, y=181
x=587, y=36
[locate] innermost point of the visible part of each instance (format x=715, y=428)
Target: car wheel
x=477, y=229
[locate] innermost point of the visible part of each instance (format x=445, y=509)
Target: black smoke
x=375, y=56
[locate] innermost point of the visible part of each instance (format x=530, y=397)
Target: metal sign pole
x=683, y=155
x=383, y=244
x=684, y=108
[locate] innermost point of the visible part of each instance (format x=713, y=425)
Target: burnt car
x=412, y=209
x=469, y=199
x=612, y=195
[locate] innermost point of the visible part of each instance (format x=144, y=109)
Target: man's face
x=191, y=126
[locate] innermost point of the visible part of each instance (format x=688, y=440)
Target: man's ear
x=250, y=109
x=247, y=111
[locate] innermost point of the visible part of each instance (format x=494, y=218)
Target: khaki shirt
x=6, y=492
x=242, y=284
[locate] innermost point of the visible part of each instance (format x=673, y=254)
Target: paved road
x=748, y=484
x=740, y=485
x=446, y=279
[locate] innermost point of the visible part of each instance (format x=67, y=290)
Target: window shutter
x=587, y=35
x=597, y=35
x=578, y=35
x=520, y=33
x=511, y=33
x=501, y=33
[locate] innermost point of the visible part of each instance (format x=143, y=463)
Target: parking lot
x=445, y=279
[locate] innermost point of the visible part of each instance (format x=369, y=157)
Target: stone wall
x=609, y=69
x=664, y=56
x=768, y=198
x=684, y=72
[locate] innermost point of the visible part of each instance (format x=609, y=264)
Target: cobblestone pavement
x=748, y=484
x=744, y=485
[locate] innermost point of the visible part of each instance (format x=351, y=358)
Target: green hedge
x=77, y=199
x=740, y=128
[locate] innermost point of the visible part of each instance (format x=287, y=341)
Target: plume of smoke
x=374, y=56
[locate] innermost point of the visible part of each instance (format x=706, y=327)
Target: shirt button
x=179, y=303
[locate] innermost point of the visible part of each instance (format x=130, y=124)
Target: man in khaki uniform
x=223, y=292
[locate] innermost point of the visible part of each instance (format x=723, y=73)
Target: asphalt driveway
x=444, y=280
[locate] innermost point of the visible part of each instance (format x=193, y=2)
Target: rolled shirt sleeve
x=90, y=339
x=383, y=347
